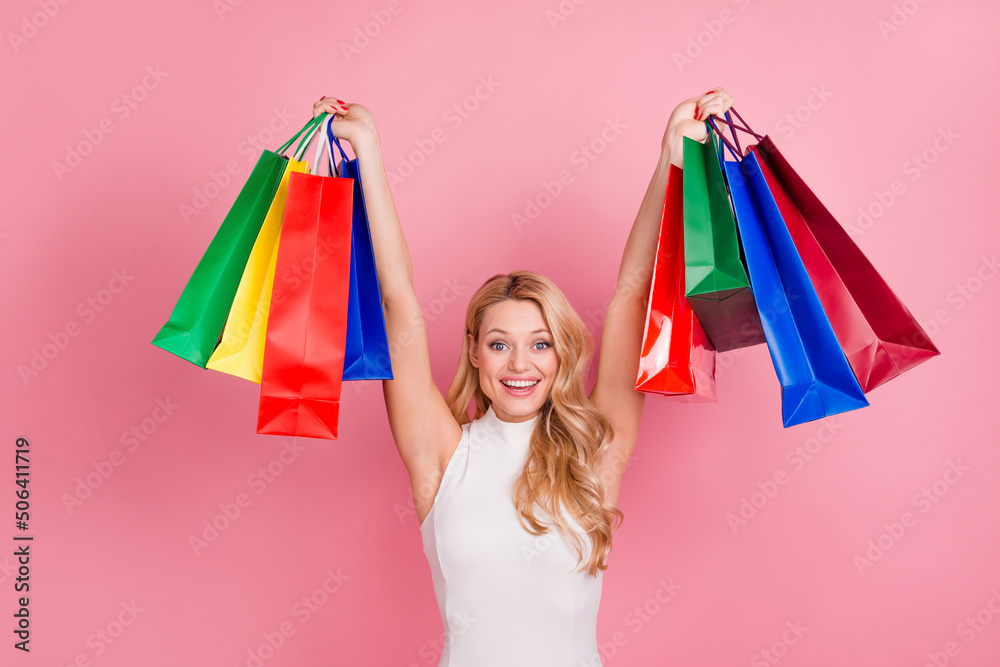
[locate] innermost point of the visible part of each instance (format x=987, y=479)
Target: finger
x=713, y=107
x=727, y=100
x=721, y=95
x=705, y=102
x=718, y=93
x=330, y=105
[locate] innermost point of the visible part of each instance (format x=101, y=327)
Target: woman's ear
x=470, y=343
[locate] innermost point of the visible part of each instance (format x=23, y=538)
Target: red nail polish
x=342, y=102
x=322, y=98
x=710, y=92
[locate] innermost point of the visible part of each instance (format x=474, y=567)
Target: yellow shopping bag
x=241, y=350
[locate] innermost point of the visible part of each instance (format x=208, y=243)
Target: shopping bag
x=877, y=332
x=677, y=358
x=196, y=323
x=241, y=350
x=366, y=352
x=716, y=283
x=306, y=331
x=816, y=378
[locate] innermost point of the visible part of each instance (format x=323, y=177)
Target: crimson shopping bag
x=877, y=332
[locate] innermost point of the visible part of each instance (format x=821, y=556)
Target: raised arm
x=614, y=392
x=422, y=426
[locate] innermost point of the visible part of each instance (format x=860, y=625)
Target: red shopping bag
x=677, y=358
x=307, y=321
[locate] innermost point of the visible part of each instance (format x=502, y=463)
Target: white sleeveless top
x=506, y=597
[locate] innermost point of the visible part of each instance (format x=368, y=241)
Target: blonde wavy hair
x=570, y=435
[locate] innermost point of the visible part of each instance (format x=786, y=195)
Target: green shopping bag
x=716, y=283
x=198, y=318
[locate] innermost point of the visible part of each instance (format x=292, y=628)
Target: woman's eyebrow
x=507, y=332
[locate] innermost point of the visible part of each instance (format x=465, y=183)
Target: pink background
x=850, y=103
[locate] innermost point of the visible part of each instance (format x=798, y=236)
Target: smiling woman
x=517, y=506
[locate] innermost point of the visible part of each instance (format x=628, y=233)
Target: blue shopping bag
x=816, y=378
x=366, y=353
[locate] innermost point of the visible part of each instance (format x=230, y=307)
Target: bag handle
x=307, y=133
x=325, y=139
x=320, y=143
x=309, y=128
x=737, y=152
x=717, y=145
x=343, y=155
x=312, y=131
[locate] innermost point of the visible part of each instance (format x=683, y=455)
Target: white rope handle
x=324, y=142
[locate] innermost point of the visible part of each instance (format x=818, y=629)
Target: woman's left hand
x=688, y=120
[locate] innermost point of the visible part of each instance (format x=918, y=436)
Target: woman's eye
x=541, y=342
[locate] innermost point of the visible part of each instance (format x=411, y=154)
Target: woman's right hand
x=352, y=122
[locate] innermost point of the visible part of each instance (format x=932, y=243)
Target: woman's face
x=514, y=343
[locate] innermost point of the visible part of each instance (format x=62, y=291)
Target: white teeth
x=519, y=383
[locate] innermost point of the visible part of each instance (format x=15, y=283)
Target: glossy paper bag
x=307, y=329
x=677, y=358
x=816, y=379
x=716, y=282
x=196, y=323
x=877, y=332
x=241, y=350
x=366, y=353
